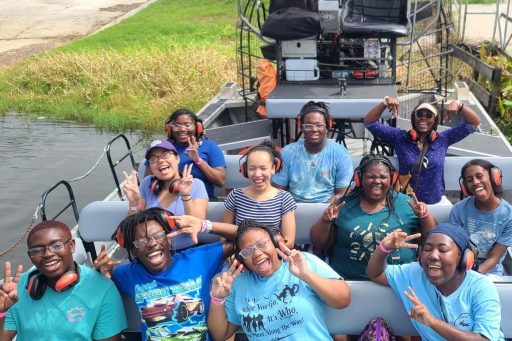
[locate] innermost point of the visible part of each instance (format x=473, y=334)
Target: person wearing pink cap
x=178, y=193
x=421, y=151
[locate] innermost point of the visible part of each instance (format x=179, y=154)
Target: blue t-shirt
x=175, y=301
x=430, y=188
x=198, y=192
x=485, y=227
x=358, y=234
x=280, y=306
x=210, y=153
x=314, y=177
x=474, y=306
x=92, y=309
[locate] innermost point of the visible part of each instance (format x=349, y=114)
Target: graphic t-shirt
x=280, y=306
x=485, y=227
x=174, y=303
x=358, y=234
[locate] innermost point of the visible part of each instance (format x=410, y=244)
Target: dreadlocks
x=313, y=106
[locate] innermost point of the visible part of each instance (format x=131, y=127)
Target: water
x=36, y=154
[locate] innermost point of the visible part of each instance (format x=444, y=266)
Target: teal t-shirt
x=90, y=310
x=280, y=306
x=358, y=234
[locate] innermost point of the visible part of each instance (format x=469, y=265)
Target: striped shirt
x=269, y=212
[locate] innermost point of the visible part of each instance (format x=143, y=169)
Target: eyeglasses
x=157, y=237
x=424, y=114
x=249, y=251
x=310, y=127
x=164, y=156
x=39, y=251
x=181, y=126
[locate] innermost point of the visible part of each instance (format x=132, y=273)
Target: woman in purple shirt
x=423, y=139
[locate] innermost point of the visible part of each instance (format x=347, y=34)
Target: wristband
x=424, y=215
x=461, y=106
x=206, y=226
x=186, y=199
x=383, y=249
x=216, y=300
x=134, y=208
x=3, y=314
x=198, y=162
x=385, y=101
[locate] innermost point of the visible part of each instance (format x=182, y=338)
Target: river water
x=36, y=154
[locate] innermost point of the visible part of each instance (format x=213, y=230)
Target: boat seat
x=375, y=18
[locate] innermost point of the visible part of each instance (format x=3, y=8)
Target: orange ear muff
x=277, y=164
x=299, y=123
x=496, y=176
x=413, y=135
x=463, y=187
x=394, y=177
x=168, y=129
x=36, y=285
x=169, y=224
x=66, y=281
x=199, y=129
x=329, y=123
x=433, y=136
x=470, y=260
x=118, y=236
x=357, y=179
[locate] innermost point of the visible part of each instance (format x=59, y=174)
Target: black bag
x=291, y=23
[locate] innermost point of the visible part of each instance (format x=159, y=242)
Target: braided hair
x=128, y=226
x=247, y=225
x=312, y=106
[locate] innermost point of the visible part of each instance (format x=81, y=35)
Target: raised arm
x=376, y=112
x=8, y=297
x=334, y=292
x=420, y=209
x=322, y=233
x=468, y=114
x=196, y=207
x=131, y=189
x=216, y=175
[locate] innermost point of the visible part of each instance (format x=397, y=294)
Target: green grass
x=481, y=1
x=175, y=53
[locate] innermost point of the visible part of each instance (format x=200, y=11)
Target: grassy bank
x=175, y=53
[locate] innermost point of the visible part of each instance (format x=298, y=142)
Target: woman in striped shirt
x=260, y=201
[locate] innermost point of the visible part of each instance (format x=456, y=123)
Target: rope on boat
x=25, y=234
x=93, y=167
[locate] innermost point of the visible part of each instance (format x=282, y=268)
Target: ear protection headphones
x=273, y=239
x=414, y=136
x=163, y=217
x=197, y=121
x=313, y=106
x=495, y=175
x=277, y=161
x=37, y=282
x=467, y=258
x=369, y=159
x=156, y=185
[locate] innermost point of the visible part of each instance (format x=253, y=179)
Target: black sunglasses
x=424, y=114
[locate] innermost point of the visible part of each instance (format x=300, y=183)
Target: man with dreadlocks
x=351, y=229
x=314, y=169
x=171, y=291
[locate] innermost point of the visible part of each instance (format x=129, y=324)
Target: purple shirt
x=430, y=188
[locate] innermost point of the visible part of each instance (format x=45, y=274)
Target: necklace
x=313, y=162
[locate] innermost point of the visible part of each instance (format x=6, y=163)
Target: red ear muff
x=496, y=176
x=394, y=177
x=119, y=237
x=66, y=281
x=433, y=136
x=168, y=129
x=168, y=223
x=155, y=185
x=413, y=135
x=329, y=123
x=277, y=164
x=357, y=178
x=463, y=187
x=199, y=129
x=174, y=186
x=36, y=285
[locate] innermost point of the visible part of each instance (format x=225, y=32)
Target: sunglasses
x=424, y=114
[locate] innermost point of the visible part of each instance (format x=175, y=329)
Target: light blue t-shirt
x=90, y=310
x=474, y=306
x=280, y=306
x=485, y=227
x=198, y=192
x=314, y=177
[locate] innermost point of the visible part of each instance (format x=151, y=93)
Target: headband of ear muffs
x=358, y=172
x=313, y=107
x=197, y=121
x=37, y=282
x=276, y=159
x=495, y=176
x=273, y=239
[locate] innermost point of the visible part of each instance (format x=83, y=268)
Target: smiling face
x=315, y=137
x=422, y=123
x=264, y=261
x=155, y=255
x=439, y=259
x=478, y=183
x=260, y=168
x=183, y=127
x=53, y=265
x=376, y=182
x=164, y=168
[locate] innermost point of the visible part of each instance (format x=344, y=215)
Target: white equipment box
x=302, y=69
x=304, y=48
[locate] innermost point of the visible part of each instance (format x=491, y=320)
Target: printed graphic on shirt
x=364, y=241
x=174, y=312
x=483, y=234
x=272, y=318
x=464, y=322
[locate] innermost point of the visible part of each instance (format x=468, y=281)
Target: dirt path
x=31, y=26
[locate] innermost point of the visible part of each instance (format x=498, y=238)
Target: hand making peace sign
x=297, y=263
x=331, y=213
x=399, y=239
x=221, y=285
x=419, y=312
x=9, y=288
x=186, y=181
x=131, y=188
x=419, y=208
x=191, y=150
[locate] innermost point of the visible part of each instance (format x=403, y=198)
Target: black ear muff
x=463, y=187
x=36, y=285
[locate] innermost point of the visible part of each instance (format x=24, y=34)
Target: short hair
x=47, y=225
x=497, y=189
